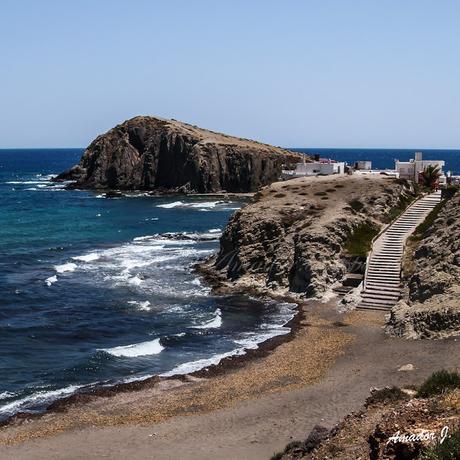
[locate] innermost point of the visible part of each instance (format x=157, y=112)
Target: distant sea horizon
x=382, y=158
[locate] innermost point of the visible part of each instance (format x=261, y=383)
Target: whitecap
x=213, y=323
x=52, y=279
x=141, y=305
x=6, y=395
x=68, y=267
x=175, y=204
x=87, y=257
x=152, y=347
x=214, y=230
x=39, y=398
x=206, y=204
x=135, y=281
x=193, y=366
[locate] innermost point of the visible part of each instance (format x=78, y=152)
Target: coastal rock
x=292, y=237
x=431, y=307
x=150, y=153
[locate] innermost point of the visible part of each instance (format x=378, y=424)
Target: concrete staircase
x=382, y=282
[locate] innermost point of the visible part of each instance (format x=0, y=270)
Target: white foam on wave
x=206, y=204
x=68, y=267
x=135, y=280
x=6, y=395
x=193, y=366
x=214, y=323
x=175, y=204
x=152, y=347
x=52, y=279
x=143, y=305
x=39, y=398
x=214, y=230
x=87, y=257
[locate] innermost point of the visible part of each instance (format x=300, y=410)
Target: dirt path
x=249, y=413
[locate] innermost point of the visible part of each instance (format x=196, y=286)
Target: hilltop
x=152, y=153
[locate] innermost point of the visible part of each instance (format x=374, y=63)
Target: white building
x=363, y=165
x=321, y=167
x=411, y=169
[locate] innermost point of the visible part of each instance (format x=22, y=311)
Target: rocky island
x=151, y=153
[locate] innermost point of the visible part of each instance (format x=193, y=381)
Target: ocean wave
x=152, y=347
x=135, y=280
x=68, y=267
x=214, y=323
x=40, y=398
x=92, y=256
x=175, y=204
x=52, y=279
x=143, y=305
x=214, y=230
x=7, y=395
x=193, y=366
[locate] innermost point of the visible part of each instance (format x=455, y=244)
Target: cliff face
x=292, y=237
x=148, y=153
x=431, y=305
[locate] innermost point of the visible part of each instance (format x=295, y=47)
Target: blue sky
x=292, y=73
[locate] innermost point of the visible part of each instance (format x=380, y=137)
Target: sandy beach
x=249, y=411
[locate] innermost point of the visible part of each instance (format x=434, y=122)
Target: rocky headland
x=151, y=153
x=430, y=307
x=296, y=236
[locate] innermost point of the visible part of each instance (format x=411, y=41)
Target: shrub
x=359, y=242
x=422, y=229
x=438, y=383
x=448, y=450
x=356, y=205
x=386, y=395
x=403, y=203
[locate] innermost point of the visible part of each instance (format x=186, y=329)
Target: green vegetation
x=438, y=383
x=359, y=242
x=356, y=205
x=447, y=450
x=430, y=177
x=422, y=229
x=386, y=395
x=403, y=203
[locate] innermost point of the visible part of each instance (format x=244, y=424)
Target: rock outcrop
x=291, y=238
x=149, y=153
x=431, y=304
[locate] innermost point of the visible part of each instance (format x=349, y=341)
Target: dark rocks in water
x=149, y=153
x=75, y=173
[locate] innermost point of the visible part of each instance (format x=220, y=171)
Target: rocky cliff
x=149, y=153
x=292, y=237
x=431, y=304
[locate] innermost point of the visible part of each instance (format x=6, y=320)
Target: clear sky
x=344, y=73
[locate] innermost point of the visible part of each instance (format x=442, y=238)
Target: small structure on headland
x=412, y=169
x=363, y=165
x=318, y=167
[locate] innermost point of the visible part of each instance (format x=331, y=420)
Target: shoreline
x=226, y=364
x=320, y=375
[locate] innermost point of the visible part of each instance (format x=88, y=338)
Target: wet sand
x=249, y=411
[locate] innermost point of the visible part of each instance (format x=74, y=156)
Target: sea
x=96, y=291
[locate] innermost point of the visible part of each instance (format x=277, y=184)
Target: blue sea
x=97, y=291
